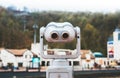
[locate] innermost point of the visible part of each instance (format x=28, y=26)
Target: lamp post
x=35, y=27
x=24, y=22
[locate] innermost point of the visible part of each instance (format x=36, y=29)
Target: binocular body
x=59, y=33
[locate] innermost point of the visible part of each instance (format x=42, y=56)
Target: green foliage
x=95, y=28
x=90, y=38
x=11, y=34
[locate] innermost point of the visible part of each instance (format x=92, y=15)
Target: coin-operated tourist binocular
x=59, y=33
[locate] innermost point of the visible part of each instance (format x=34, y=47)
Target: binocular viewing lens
x=65, y=35
x=54, y=35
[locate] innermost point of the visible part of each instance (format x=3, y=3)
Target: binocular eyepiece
x=55, y=36
x=65, y=35
x=59, y=32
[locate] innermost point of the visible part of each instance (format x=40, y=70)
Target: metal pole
x=35, y=36
x=35, y=28
x=24, y=20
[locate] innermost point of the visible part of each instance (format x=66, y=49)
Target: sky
x=65, y=5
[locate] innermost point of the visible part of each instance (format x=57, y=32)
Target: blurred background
x=97, y=20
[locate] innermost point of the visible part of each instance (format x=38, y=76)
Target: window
x=25, y=56
x=118, y=36
x=20, y=64
x=75, y=63
x=43, y=63
x=48, y=63
x=70, y=63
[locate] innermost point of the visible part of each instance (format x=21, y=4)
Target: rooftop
x=17, y=52
x=84, y=52
x=98, y=54
x=117, y=29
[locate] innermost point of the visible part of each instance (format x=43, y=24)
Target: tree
x=90, y=38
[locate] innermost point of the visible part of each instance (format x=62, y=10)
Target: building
x=87, y=59
x=116, y=43
x=113, y=46
x=0, y=58
x=16, y=57
x=84, y=61
x=98, y=54
x=110, y=49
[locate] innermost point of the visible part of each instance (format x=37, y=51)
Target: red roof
x=1, y=48
x=84, y=52
x=17, y=52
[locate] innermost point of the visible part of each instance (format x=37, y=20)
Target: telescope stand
x=59, y=68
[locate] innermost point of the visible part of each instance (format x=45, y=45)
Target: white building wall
x=102, y=61
x=7, y=57
x=35, y=48
x=27, y=57
x=110, y=49
x=116, y=45
x=87, y=64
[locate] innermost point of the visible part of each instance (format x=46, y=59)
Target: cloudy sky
x=65, y=5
